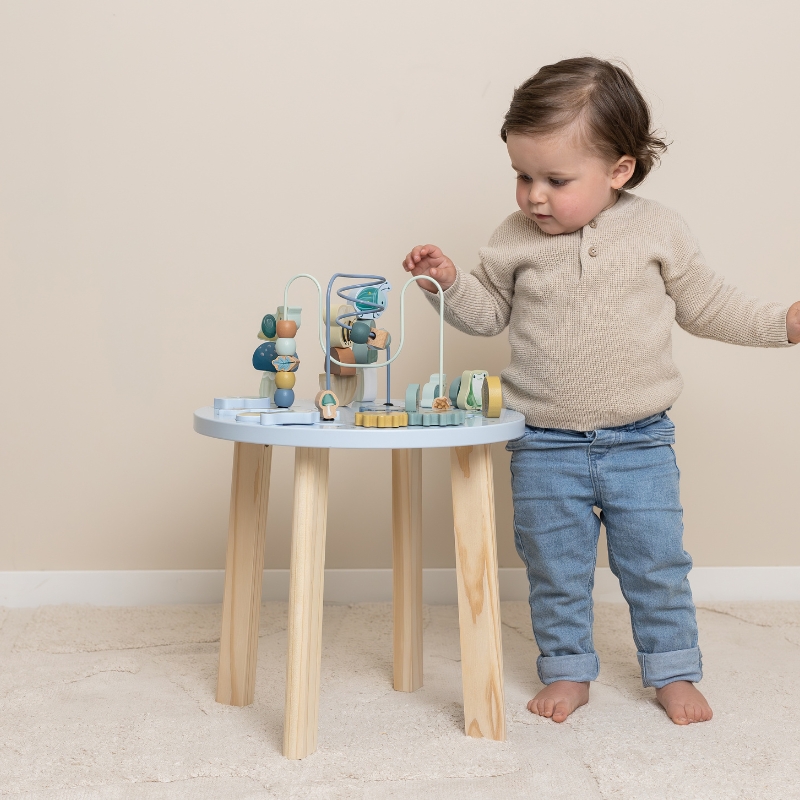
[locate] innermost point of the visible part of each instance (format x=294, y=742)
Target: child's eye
x=558, y=182
x=524, y=178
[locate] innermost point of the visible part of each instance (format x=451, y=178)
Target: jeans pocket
x=662, y=430
x=520, y=442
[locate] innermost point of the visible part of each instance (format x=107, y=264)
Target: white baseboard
x=171, y=587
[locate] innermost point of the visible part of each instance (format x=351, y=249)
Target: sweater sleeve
x=479, y=303
x=708, y=307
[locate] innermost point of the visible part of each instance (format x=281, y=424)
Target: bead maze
x=351, y=344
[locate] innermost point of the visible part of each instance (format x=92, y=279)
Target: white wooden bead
x=285, y=347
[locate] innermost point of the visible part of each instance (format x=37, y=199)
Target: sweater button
x=593, y=251
x=593, y=223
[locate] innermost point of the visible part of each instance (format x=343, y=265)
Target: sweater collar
x=624, y=202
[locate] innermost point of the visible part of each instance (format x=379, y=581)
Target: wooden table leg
x=407, y=568
x=478, y=601
x=244, y=566
x=306, y=578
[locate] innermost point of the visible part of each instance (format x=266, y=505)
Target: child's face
x=562, y=185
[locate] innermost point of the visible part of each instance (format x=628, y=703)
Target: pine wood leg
x=307, y=573
x=478, y=601
x=244, y=566
x=407, y=568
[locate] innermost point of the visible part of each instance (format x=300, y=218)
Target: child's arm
x=708, y=307
x=478, y=303
x=793, y=323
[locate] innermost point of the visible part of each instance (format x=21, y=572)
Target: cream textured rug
x=118, y=703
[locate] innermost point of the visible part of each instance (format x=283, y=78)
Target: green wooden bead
x=361, y=353
x=269, y=326
x=360, y=332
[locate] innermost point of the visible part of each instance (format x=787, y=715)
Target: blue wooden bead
x=284, y=397
x=263, y=356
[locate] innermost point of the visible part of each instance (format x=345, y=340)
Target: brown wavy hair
x=602, y=98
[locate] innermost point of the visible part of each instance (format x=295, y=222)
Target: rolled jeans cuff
x=659, y=669
x=579, y=667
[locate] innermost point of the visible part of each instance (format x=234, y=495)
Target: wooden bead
x=361, y=353
x=285, y=380
x=285, y=347
x=345, y=355
x=286, y=363
x=268, y=326
x=292, y=312
x=379, y=339
x=283, y=397
x=359, y=334
x=286, y=328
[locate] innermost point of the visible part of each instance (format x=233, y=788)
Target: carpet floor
x=118, y=703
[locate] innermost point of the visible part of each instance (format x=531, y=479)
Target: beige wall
x=165, y=166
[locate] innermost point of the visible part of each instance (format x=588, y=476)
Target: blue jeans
x=631, y=475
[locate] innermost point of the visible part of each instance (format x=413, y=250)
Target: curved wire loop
x=374, y=280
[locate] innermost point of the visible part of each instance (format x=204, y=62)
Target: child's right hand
x=428, y=259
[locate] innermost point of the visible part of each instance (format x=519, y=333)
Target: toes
x=548, y=709
x=561, y=712
x=698, y=713
x=679, y=715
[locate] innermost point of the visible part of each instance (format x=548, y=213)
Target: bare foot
x=559, y=699
x=683, y=703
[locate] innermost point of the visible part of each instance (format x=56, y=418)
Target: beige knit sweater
x=590, y=313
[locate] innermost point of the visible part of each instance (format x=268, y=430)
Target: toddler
x=589, y=278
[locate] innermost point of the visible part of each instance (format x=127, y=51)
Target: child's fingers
x=430, y=251
x=425, y=251
x=408, y=262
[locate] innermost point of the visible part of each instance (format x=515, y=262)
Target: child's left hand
x=793, y=323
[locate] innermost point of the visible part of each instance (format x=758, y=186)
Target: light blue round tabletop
x=344, y=433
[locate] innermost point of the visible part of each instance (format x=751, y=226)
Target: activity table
x=475, y=544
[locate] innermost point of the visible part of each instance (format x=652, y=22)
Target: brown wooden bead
x=346, y=356
x=287, y=328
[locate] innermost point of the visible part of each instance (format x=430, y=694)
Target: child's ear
x=622, y=171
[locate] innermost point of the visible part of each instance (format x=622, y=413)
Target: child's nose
x=537, y=195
